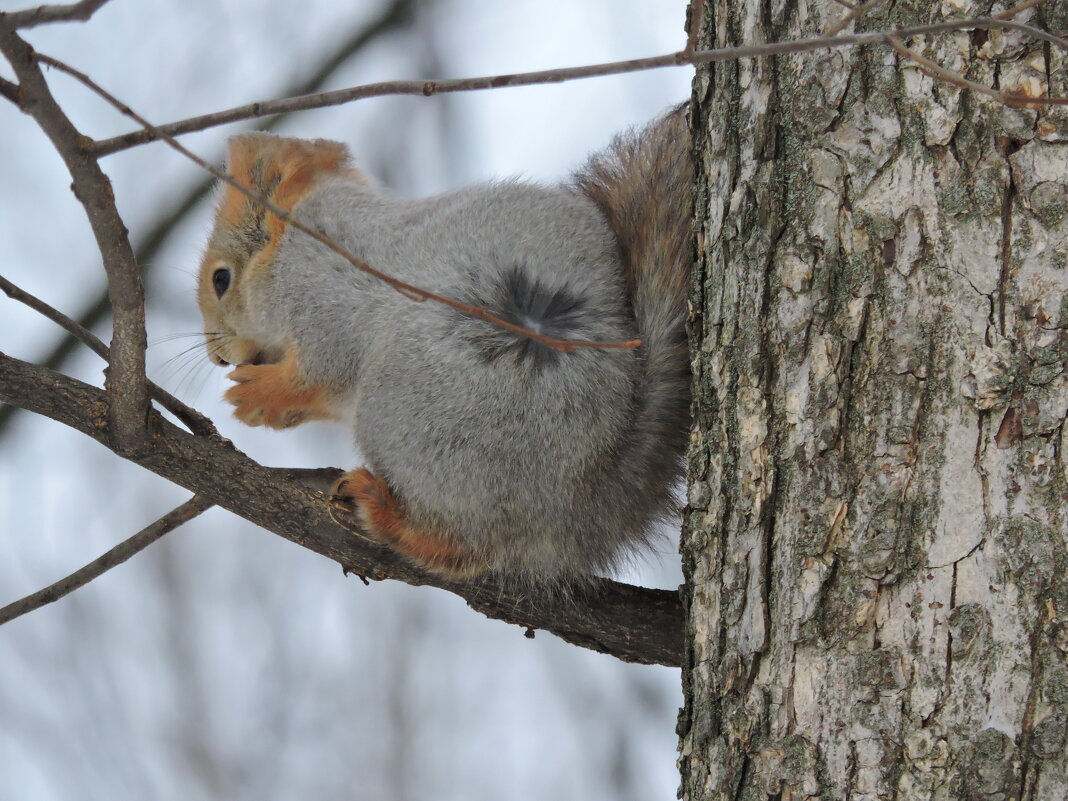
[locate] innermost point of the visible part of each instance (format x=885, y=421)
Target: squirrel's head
x=246, y=236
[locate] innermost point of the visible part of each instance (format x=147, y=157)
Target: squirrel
x=486, y=449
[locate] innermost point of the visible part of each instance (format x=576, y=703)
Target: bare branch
x=126, y=382
x=116, y=556
x=340, y=96
x=9, y=90
x=410, y=291
x=426, y=88
x=194, y=420
x=30, y=17
x=392, y=17
x=88, y=337
x=631, y=623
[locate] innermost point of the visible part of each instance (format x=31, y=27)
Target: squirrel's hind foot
x=363, y=503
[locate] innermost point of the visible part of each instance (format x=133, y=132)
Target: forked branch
x=194, y=420
x=126, y=381
x=631, y=623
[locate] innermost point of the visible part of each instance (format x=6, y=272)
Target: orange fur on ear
x=281, y=168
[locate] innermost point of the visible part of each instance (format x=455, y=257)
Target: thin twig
x=391, y=18
x=406, y=289
x=116, y=556
x=935, y=70
x=853, y=14
x=106, y=147
x=695, y=21
x=30, y=17
x=74, y=329
x=194, y=420
x=1012, y=12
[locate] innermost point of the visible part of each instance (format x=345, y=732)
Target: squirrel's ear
x=282, y=168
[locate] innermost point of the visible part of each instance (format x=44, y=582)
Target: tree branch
x=194, y=420
x=631, y=623
x=426, y=88
x=116, y=556
x=126, y=382
x=31, y=17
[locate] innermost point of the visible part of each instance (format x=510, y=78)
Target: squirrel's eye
x=220, y=279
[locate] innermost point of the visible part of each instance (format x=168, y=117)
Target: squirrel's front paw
x=271, y=395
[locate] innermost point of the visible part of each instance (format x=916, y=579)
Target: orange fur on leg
x=274, y=395
x=381, y=515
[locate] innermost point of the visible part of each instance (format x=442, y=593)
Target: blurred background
x=224, y=662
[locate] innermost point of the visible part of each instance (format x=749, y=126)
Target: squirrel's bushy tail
x=643, y=185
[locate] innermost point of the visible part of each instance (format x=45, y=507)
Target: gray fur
x=549, y=464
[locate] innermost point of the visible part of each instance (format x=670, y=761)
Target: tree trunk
x=875, y=544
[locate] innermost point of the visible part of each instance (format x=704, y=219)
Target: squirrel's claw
x=255, y=403
x=363, y=503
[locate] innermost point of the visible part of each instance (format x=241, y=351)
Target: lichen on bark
x=876, y=541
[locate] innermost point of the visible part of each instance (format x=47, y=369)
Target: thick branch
x=30, y=17
x=126, y=382
x=116, y=556
x=425, y=88
x=631, y=623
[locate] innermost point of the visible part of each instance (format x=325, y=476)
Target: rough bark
x=876, y=538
